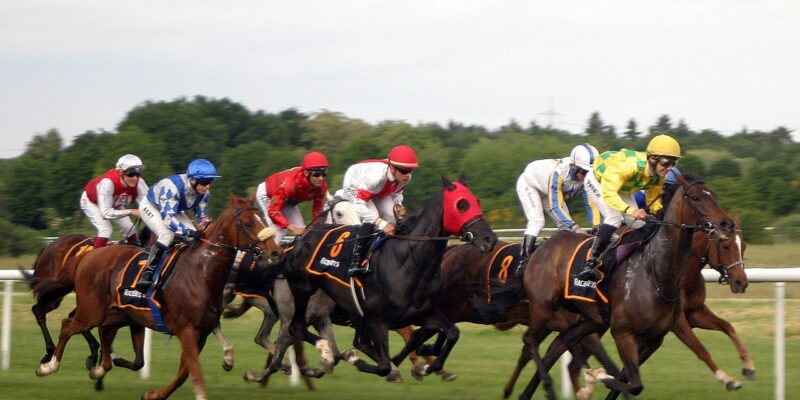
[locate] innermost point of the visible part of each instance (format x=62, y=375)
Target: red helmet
x=403, y=156
x=315, y=159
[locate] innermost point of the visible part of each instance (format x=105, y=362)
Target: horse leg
x=377, y=348
x=646, y=349
x=40, y=311
x=69, y=327
x=704, y=318
x=683, y=331
x=227, y=348
x=137, y=341
x=522, y=361
x=191, y=344
x=302, y=365
x=532, y=340
x=299, y=328
x=324, y=327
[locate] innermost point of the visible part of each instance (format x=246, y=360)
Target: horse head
x=696, y=206
x=461, y=215
x=727, y=257
x=242, y=227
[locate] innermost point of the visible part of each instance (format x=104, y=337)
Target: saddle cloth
x=500, y=269
x=77, y=249
x=624, y=246
x=128, y=296
x=334, y=252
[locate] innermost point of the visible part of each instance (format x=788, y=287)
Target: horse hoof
x=227, y=366
x=96, y=373
x=350, y=356
x=749, y=373
x=98, y=385
x=394, y=377
x=733, y=385
x=251, y=376
x=313, y=373
x=449, y=377
x=91, y=362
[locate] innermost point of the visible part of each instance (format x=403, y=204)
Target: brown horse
x=57, y=262
x=725, y=256
x=465, y=276
x=644, y=292
x=192, y=296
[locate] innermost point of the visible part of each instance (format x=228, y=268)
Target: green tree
x=725, y=166
x=630, y=130
x=663, y=125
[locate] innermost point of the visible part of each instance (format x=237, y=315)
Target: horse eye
x=462, y=205
x=695, y=198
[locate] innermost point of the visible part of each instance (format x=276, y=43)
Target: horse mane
x=669, y=190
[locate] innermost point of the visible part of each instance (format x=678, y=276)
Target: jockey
x=546, y=185
x=280, y=193
x=611, y=184
x=164, y=210
x=671, y=180
x=105, y=197
x=375, y=188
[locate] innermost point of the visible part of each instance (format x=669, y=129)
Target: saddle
x=335, y=251
x=621, y=248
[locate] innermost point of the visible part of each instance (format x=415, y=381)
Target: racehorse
x=192, y=296
x=643, y=292
x=725, y=256
x=57, y=262
x=400, y=290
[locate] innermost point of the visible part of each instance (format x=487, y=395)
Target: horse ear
x=251, y=199
x=231, y=197
x=463, y=179
x=447, y=184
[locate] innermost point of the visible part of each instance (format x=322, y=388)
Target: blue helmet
x=201, y=169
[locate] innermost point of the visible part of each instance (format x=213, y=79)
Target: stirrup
x=590, y=272
x=357, y=269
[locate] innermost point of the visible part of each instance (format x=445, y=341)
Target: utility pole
x=550, y=112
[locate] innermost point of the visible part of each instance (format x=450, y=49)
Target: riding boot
x=155, y=252
x=362, y=238
x=527, y=248
x=601, y=241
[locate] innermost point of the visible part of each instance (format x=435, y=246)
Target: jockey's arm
x=105, y=201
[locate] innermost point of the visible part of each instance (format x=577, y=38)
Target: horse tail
x=501, y=299
x=49, y=291
x=29, y=278
x=232, y=311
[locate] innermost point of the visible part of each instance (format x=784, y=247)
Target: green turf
x=483, y=360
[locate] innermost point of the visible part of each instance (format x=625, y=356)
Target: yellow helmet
x=664, y=145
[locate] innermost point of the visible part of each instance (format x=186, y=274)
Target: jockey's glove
x=197, y=234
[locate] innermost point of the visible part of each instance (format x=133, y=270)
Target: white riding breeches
x=104, y=228
x=611, y=216
x=151, y=216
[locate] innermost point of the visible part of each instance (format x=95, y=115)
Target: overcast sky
x=722, y=64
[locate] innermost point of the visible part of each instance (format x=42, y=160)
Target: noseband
x=254, y=241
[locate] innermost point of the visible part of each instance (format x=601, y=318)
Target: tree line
x=754, y=173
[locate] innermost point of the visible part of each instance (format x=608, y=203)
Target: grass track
x=483, y=360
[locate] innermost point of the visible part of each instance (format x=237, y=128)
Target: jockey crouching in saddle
x=612, y=183
x=375, y=188
x=164, y=211
x=280, y=193
x=106, y=197
x=546, y=185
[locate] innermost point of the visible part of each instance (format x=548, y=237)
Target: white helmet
x=130, y=163
x=583, y=156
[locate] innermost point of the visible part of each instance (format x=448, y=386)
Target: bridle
x=254, y=240
x=719, y=267
x=707, y=226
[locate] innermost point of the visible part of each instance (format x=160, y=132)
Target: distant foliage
x=753, y=172
x=18, y=240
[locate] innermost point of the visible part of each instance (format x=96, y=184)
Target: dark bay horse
x=192, y=296
x=401, y=289
x=644, y=290
x=725, y=256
